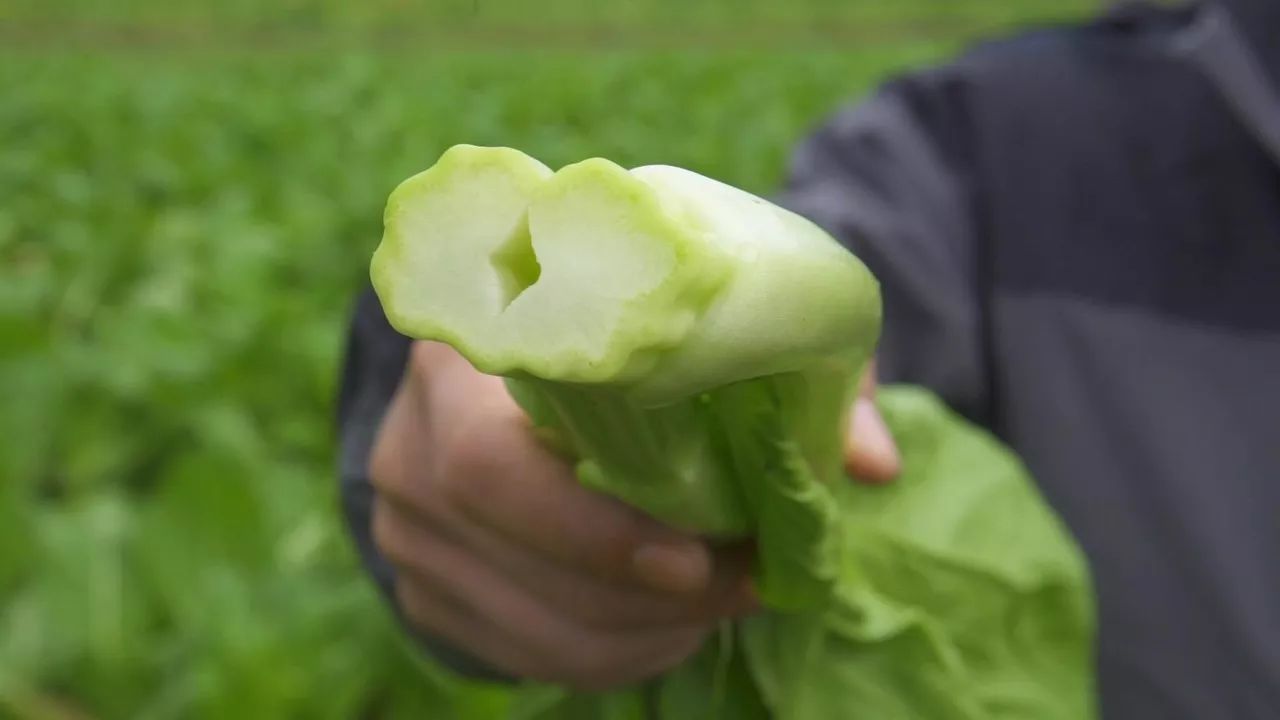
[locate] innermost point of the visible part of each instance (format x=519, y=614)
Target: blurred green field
x=463, y=21
x=190, y=196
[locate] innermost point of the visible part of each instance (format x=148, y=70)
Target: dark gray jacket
x=1078, y=235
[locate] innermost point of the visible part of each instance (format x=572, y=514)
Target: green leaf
x=962, y=596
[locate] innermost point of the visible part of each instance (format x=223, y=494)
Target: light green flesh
x=572, y=276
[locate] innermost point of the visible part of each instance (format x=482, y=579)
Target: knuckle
x=597, y=609
x=677, y=650
x=594, y=663
x=615, y=545
x=424, y=357
x=415, y=605
x=414, y=549
x=468, y=464
x=597, y=614
x=689, y=643
x=392, y=458
x=384, y=466
x=420, y=354
x=387, y=534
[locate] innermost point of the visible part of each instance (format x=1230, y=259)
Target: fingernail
x=680, y=568
x=870, y=436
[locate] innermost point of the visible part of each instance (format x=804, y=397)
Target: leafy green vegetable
x=696, y=348
x=694, y=344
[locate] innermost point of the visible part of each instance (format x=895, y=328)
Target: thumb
x=870, y=453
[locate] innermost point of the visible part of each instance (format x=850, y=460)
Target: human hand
x=870, y=454
x=502, y=552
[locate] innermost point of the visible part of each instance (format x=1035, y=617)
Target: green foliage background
x=189, y=194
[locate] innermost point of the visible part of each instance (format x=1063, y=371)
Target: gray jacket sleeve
x=877, y=176
x=890, y=179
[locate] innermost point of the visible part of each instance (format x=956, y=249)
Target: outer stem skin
x=749, y=459
x=669, y=461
